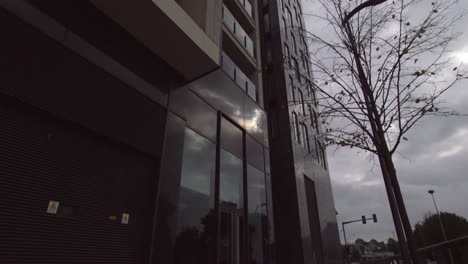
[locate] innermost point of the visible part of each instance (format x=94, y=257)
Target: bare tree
x=378, y=71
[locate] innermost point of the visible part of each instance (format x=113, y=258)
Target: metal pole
x=344, y=233
x=345, y=243
x=431, y=192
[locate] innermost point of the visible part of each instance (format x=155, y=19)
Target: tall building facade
x=296, y=141
x=160, y=131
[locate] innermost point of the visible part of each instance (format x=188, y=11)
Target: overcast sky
x=435, y=157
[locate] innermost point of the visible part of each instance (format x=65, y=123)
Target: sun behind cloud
x=461, y=55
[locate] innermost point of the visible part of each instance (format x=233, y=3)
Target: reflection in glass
x=257, y=205
x=231, y=137
x=230, y=189
x=231, y=207
x=195, y=200
x=231, y=236
x=254, y=153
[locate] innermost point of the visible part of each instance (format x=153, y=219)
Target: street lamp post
x=431, y=192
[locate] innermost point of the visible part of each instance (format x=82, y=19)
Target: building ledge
x=166, y=29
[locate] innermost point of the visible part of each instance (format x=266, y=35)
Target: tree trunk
x=395, y=213
x=385, y=157
x=402, y=209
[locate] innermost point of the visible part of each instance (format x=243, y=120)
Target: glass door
x=230, y=235
x=242, y=204
x=231, y=194
x=231, y=208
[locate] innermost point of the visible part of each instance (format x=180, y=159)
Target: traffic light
x=374, y=216
x=364, y=219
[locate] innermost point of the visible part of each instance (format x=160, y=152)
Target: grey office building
x=161, y=131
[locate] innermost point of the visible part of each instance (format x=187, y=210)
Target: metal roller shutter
x=94, y=180
x=42, y=72
x=100, y=164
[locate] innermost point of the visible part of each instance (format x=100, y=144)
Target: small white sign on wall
x=125, y=218
x=53, y=207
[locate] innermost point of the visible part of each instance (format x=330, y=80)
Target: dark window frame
x=288, y=53
x=289, y=15
x=296, y=127
x=305, y=135
x=301, y=98
x=293, y=40
x=292, y=88
x=285, y=25
x=296, y=68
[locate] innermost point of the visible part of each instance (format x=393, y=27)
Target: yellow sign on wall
x=125, y=218
x=53, y=207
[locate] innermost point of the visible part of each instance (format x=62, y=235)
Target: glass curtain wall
x=231, y=194
x=196, y=200
x=258, y=221
x=242, y=201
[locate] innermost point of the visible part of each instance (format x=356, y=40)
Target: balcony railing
x=234, y=26
x=247, y=6
x=231, y=69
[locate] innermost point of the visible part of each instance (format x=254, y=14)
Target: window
x=322, y=155
x=286, y=53
x=192, y=207
x=297, y=15
x=266, y=21
x=291, y=91
x=251, y=90
x=285, y=28
x=300, y=8
x=314, y=98
x=257, y=206
x=231, y=192
x=315, y=123
x=288, y=12
x=324, y=159
x=293, y=39
x=309, y=109
x=230, y=186
x=304, y=59
x=317, y=152
x=269, y=53
x=305, y=63
x=314, y=220
x=301, y=97
x=296, y=128
x=195, y=198
x=296, y=69
x=312, y=117
x=231, y=206
x=305, y=137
